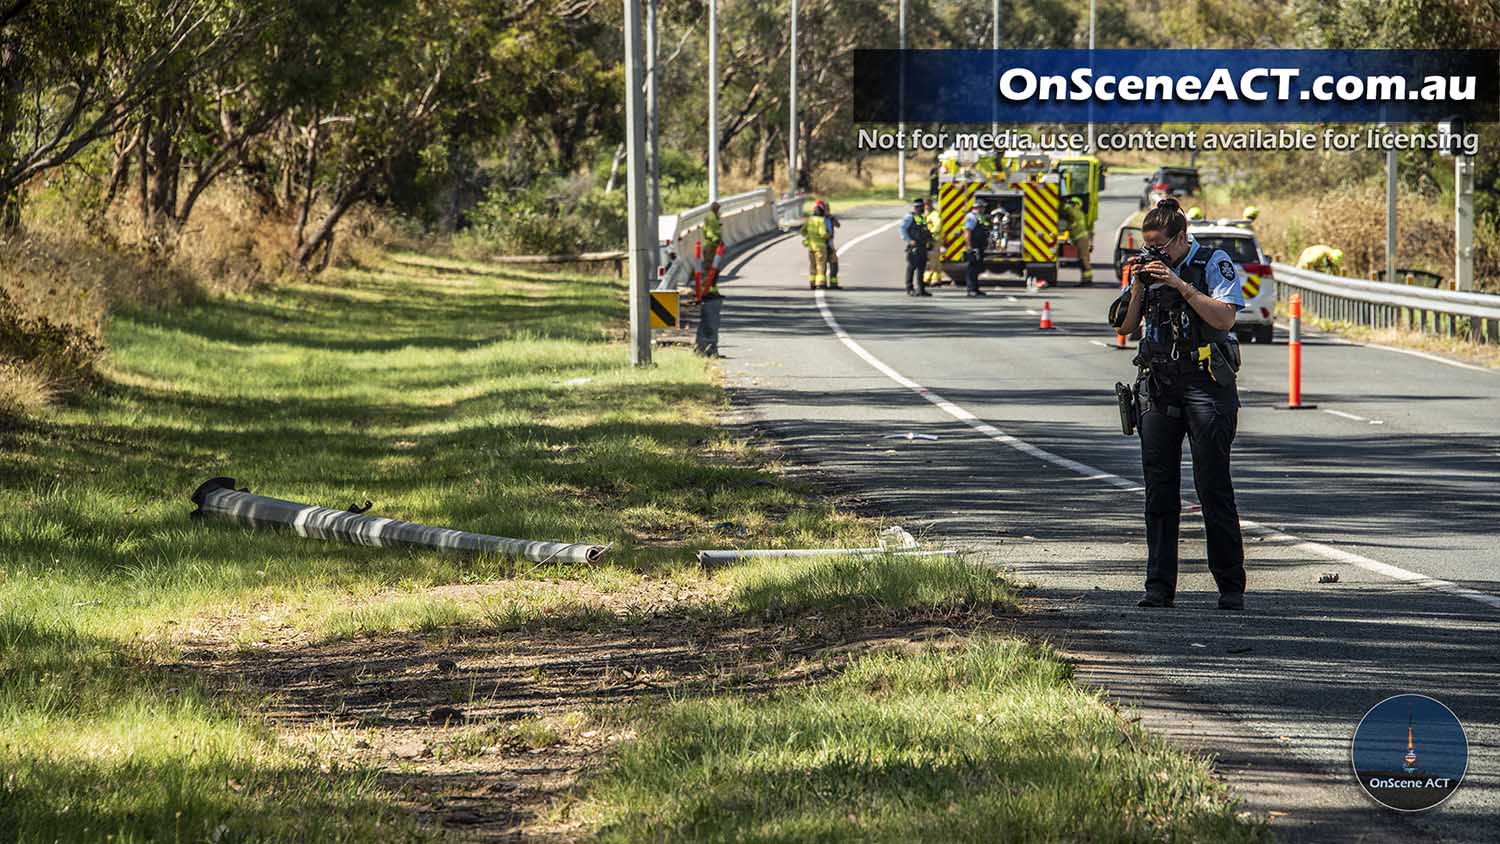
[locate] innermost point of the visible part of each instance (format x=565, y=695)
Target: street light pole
x=901, y=106
x=713, y=100
x=791, y=133
x=641, y=245
x=1091, y=64
x=653, y=119
x=995, y=45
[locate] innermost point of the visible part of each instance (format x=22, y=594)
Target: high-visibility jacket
x=1072, y=218
x=1321, y=258
x=815, y=232
x=713, y=229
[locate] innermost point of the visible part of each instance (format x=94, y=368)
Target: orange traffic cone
x=1046, y=316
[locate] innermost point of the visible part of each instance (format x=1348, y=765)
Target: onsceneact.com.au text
x=1021, y=85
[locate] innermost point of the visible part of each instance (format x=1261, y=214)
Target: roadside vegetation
x=169, y=679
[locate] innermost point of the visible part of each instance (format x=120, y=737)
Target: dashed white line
x=1091, y=473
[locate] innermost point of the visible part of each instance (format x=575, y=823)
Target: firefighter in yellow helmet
x=1321, y=258
x=815, y=239
x=1195, y=213
x=1250, y=213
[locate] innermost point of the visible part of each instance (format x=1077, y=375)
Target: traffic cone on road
x=1046, y=316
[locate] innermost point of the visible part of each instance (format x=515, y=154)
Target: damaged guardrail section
x=218, y=497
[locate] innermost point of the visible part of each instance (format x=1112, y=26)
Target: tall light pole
x=901, y=107
x=1091, y=65
x=1463, y=207
x=1390, y=216
x=653, y=118
x=995, y=45
x=641, y=245
x=713, y=100
x=791, y=134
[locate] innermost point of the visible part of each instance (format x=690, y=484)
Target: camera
x=1149, y=254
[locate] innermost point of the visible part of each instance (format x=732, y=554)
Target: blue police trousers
x=1208, y=413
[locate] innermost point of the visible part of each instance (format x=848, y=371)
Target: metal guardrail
x=1378, y=304
x=744, y=216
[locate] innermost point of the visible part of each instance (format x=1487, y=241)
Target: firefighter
x=1195, y=213
x=1321, y=258
x=713, y=238
x=934, y=273
x=917, y=239
x=1185, y=386
x=830, y=253
x=1250, y=213
x=1076, y=223
x=815, y=238
x=711, y=303
x=976, y=240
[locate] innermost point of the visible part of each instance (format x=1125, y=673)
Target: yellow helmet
x=1195, y=213
x=1250, y=212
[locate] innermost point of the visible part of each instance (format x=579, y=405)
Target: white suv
x=1237, y=240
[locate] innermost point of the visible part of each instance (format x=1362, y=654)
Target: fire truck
x=1020, y=194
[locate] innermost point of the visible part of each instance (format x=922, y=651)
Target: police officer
x=976, y=238
x=917, y=239
x=1185, y=307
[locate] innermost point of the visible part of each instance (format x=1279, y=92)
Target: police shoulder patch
x=1226, y=269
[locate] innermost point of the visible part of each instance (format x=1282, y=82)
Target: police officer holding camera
x=1184, y=298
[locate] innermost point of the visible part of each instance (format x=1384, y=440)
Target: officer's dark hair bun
x=1166, y=216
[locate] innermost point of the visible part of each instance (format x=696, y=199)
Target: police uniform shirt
x=906, y=226
x=1221, y=276
x=971, y=222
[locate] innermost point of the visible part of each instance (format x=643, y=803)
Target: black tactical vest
x=1180, y=331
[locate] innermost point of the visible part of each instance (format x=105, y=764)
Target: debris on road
x=909, y=435
x=730, y=555
x=1328, y=577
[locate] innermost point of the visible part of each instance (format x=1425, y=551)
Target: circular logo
x=1410, y=753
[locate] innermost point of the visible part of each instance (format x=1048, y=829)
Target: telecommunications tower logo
x=1410, y=753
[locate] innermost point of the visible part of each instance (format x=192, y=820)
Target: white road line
x=1346, y=415
x=1090, y=473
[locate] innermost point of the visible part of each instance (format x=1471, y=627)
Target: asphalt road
x=1393, y=483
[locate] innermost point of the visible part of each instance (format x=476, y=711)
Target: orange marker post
x=1294, y=360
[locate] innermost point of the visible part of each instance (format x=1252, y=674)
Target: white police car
x=1255, y=323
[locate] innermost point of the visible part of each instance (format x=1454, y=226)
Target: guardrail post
x=1294, y=359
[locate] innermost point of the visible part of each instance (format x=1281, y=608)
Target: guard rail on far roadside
x=1378, y=304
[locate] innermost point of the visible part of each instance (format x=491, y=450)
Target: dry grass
x=23, y=391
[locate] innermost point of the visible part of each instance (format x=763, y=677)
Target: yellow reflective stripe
x=1251, y=286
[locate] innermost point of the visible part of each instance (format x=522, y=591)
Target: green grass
x=991, y=742
x=793, y=584
x=460, y=396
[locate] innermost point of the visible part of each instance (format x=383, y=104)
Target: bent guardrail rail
x=1378, y=304
x=218, y=497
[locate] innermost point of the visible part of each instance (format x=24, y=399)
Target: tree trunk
x=119, y=174
x=323, y=236
x=309, y=179
x=614, y=168
x=11, y=89
x=165, y=160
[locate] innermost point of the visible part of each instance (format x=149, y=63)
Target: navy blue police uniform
x=1186, y=385
x=917, y=238
x=978, y=232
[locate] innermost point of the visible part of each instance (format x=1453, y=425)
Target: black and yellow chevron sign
x=1039, y=221
x=954, y=199
x=664, y=309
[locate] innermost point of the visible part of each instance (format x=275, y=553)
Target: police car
x=1257, y=321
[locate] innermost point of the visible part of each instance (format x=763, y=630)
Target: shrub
x=552, y=216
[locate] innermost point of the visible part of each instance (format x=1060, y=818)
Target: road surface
x=1393, y=483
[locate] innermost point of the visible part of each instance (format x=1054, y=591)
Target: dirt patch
x=485, y=731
